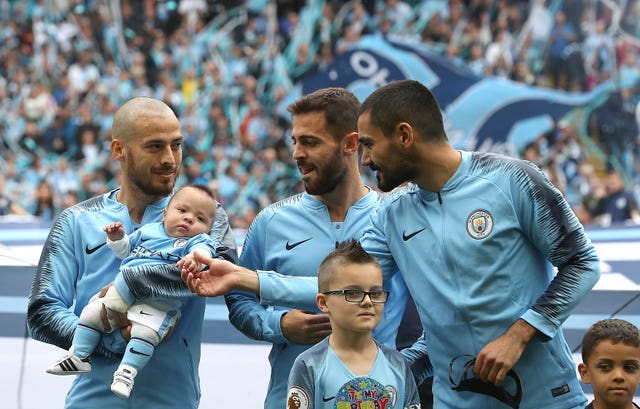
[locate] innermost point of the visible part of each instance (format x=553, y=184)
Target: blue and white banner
x=481, y=113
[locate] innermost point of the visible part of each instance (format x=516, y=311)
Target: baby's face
x=613, y=370
x=190, y=212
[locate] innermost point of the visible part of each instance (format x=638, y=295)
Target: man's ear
x=117, y=150
x=351, y=142
x=584, y=373
x=321, y=300
x=405, y=134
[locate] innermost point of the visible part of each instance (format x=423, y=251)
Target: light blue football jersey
x=292, y=237
x=320, y=380
x=76, y=264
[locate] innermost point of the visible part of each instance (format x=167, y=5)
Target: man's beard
x=328, y=178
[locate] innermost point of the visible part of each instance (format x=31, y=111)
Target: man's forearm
x=247, y=280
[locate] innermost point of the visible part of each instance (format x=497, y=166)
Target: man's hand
x=500, y=355
x=221, y=277
x=305, y=328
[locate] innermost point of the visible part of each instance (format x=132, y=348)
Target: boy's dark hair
x=612, y=329
x=346, y=252
x=340, y=107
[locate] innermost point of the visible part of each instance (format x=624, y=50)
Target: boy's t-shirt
x=320, y=380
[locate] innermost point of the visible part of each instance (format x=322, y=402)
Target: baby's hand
x=114, y=231
x=189, y=264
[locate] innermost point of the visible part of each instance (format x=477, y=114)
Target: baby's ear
x=584, y=373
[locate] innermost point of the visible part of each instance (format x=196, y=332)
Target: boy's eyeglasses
x=357, y=296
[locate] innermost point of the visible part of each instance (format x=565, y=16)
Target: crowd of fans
x=66, y=65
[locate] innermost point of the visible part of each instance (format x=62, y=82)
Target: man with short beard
x=293, y=236
x=76, y=263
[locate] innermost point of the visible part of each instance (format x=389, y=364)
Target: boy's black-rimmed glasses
x=357, y=296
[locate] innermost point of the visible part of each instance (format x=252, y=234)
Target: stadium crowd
x=226, y=69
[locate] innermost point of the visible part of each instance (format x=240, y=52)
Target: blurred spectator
x=44, y=204
x=54, y=138
x=64, y=178
x=563, y=36
x=619, y=205
x=82, y=73
x=498, y=55
x=616, y=126
x=630, y=68
x=476, y=60
x=599, y=58
x=39, y=105
x=32, y=141
x=7, y=205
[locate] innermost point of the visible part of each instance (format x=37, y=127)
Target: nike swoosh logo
x=94, y=249
x=133, y=351
x=406, y=236
x=145, y=313
x=327, y=399
x=294, y=245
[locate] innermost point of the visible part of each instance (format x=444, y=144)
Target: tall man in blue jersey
x=76, y=263
x=294, y=235
x=476, y=238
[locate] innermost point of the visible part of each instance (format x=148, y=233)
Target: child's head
x=611, y=362
x=350, y=288
x=191, y=211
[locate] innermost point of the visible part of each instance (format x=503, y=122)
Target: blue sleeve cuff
x=540, y=323
x=273, y=331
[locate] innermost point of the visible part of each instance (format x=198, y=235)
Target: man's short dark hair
x=340, y=107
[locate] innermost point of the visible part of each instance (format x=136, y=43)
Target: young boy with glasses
x=349, y=368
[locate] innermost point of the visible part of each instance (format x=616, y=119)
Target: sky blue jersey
x=320, y=380
x=292, y=237
x=74, y=265
x=151, y=245
x=479, y=255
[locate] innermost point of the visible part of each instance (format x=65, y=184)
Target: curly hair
x=612, y=329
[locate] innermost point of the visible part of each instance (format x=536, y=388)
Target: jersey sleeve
x=301, y=385
x=49, y=317
x=411, y=396
x=288, y=291
x=164, y=281
x=121, y=248
x=374, y=241
x=202, y=242
x=254, y=320
x=554, y=229
x=223, y=234
x=418, y=361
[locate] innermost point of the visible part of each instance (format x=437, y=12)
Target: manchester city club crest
x=181, y=242
x=479, y=224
